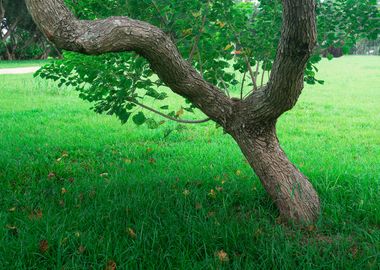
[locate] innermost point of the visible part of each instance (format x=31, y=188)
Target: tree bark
x=289, y=189
x=251, y=122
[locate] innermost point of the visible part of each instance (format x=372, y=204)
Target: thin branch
x=262, y=75
x=242, y=85
x=200, y=61
x=225, y=87
x=257, y=69
x=167, y=116
x=250, y=72
x=198, y=37
x=163, y=19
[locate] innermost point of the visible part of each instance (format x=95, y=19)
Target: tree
x=216, y=27
x=19, y=36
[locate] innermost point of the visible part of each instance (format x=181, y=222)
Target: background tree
x=204, y=33
x=19, y=36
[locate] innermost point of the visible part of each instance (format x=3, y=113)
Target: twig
x=167, y=116
x=198, y=37
x=242, y=85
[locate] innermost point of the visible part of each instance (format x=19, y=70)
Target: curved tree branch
x=298, y=39
x=117, y=34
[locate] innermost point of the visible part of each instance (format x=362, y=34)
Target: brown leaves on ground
x=13, y=230
x=132, y=233
x=35, y=215
x=44, y=246
x=81, y=249
x=222, y=256
x=111, y=265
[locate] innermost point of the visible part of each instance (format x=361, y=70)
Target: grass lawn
x=81, y=191
x=23, y=63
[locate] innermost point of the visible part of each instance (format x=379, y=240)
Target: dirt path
x=23, y=70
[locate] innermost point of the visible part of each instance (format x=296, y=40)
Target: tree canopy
x=219, y=38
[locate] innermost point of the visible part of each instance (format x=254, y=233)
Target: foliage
x=229, y=43
x=22, y=39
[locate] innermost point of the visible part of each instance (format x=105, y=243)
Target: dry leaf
x=311, y=228
x=186, y=192
x=81, y=249
x=211, y=214
x=35, y=214
x=63, y=191
x=128, y=161
x=51, y=175
x=61, y=203
x=12, y=230
x=152, y=161
x=223, y=256
x=44, y=246
x=354, y=251
x=103, y=174
x=12, y=209
x=132, y=233
x=180, y=112
x=212, y=194
x=220, y=189
x=198, y=206
x=111, y=265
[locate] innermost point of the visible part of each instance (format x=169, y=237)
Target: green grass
x=80, y=181
x=23, y=63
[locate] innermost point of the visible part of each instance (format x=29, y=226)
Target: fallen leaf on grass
x=220, y=189
x=212, y=194
x=81, y=249
x=51, y=175
x=12, y=209
x=36, y=214
x=354, y=251
x=103, y=174
x=12, y=230
x=111, y=265
x=198, y=206
x=44, y=246
x=132, y=233
x=152, y=161
x=63, y=191
x=222, y=256
x=211, y=214
x=128, y=161
x=186, y=192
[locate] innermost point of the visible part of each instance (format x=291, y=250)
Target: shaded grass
x=81, y=181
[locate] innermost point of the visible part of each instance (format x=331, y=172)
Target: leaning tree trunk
x=250, y=121
x=289, y=189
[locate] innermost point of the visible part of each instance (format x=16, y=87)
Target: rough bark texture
x=251, y=122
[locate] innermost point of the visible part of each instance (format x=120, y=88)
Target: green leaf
x=139, y=118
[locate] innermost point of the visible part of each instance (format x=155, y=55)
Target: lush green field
x=80, y=191
x=23, y=63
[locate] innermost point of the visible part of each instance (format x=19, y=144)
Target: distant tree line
x=19, y=37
